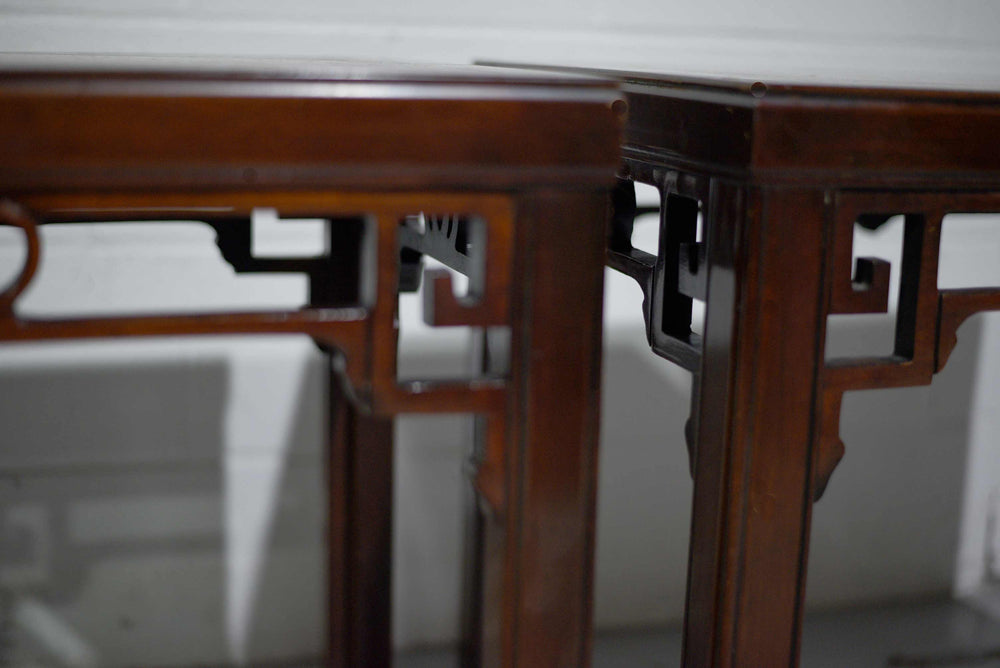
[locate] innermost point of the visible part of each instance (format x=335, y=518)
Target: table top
x=811, y=133
x=845, y=85
x=193, y=122
x=15, y=66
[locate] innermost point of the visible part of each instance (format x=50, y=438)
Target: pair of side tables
x=509, y=177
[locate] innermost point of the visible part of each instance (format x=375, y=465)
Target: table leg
x=472, y=581
x=763, y=347
x=538, y=584
x=359, y=538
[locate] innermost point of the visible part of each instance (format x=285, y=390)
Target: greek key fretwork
x=462, y=242
x=867, y=291
x=927, y=318
x=913, y=351
x=347, y=329
x=336, y=278
x=357, y=324
x=672, y=278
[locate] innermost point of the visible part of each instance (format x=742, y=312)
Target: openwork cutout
x=928, y=317
x=867, y=290
x=353, y=312
x=459, y=242
x=672, y=278
x=973, y=239
x=340, y=277
x=444, y=258
x=863, y=300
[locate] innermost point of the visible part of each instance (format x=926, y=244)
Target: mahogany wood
x=360, y=550
x=529, y=157
x=783, y=172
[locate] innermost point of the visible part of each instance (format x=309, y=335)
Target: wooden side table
x=780, y=175
x=502, y=176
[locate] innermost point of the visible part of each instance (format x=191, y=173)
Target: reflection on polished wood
x=521, y=162
x=779, y=175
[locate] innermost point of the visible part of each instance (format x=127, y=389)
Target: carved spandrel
x=361, y=336
x=670, y=279
x=477, y=241
x=926, y=321
x=461, y=242
x=927, y=318
x=229, y=213
x=867, y=291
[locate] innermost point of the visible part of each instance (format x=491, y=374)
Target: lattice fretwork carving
x=927, y=318
x=672, y=278
x=669, y=280
x=354, y=290
x=459, y=241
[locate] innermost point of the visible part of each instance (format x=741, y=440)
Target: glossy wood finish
x=530, y=158
x=552, y=517
x=359, y=575
x=781, y=174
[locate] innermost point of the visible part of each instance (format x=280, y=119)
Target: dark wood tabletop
x=778, y=175
x=168, y=123
x=799, y=132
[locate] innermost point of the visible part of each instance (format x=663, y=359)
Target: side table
x=779, y=175
x=502, y=176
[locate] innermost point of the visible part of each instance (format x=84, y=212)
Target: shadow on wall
x=128, y=517
x=644, y=489
x=283, y=611
x=134, y=510
x=113, y=523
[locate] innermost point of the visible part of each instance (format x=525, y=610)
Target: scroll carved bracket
x=829, y=448
x=927, y=317
x=912, y=360
x=669, y=280
x=672, y=278
x=13, y=215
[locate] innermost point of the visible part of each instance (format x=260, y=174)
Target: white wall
x=197, y=486
x=888, y=39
